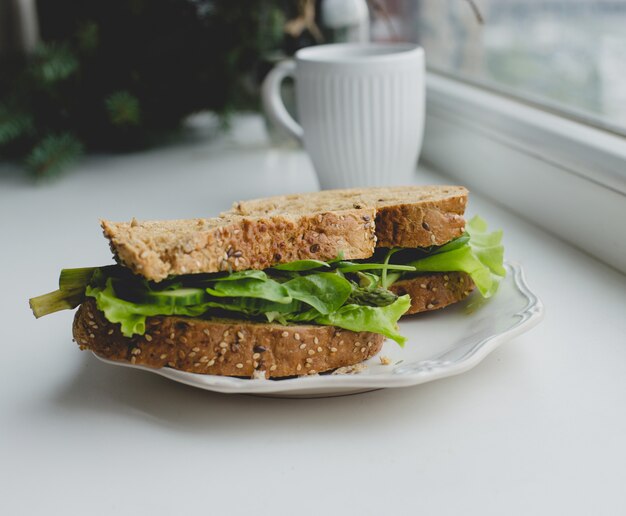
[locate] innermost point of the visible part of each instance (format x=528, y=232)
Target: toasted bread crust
x=411, y=216
x=225, y=347
x=434, y=290
x=157, y=249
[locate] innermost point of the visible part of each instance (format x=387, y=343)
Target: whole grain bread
x=406, y=216
x=225, y=347
x=434, y=290
x=157, y=249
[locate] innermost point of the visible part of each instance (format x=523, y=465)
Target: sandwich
x=279, y=287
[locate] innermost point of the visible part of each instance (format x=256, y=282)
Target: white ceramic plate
x=439, y=344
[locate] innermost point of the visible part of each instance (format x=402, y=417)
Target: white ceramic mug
x=361, y=108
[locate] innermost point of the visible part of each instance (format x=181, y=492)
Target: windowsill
x=563, y=176
x=530, y=404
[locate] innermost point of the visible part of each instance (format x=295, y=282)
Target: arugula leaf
x=301, y=265
x=239, y=275
x=367, y=266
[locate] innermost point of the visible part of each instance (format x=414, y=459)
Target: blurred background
x=122, y=75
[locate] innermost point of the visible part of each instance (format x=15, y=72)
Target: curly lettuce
x=481, y=256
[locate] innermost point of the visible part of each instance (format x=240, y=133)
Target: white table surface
x=538, y=428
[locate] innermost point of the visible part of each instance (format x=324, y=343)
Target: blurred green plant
x=123, y=74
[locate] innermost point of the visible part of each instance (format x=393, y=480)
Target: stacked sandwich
x=279, y=287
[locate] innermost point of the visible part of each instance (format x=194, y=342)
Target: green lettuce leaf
x=131, y=316
x=481, y=256
x=377, y=319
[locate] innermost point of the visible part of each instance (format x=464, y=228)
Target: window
x=567, y=55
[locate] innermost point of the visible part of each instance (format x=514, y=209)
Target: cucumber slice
x=178, y=297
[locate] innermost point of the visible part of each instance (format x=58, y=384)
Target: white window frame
x=563, y=175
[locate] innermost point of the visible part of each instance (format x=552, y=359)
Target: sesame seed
x=183, y=340
x=274, y=367
x=220, y=359
x=90, y=315
x=110, y=332
x=196, y=349
x=197, y=364
x=307, y=365
x=312, y=371
x=255, y=364
x=285, y=334
x=223, y=351
x=432, y=238
x=204, y=359
x=95, y=326
x=298, y=367
x=239, y=365
x=192, y=354
x=445, y=284
x=363, y=349
x=430, y=305
x=357, y=343
x=370, y=344
x=171, y=364
x=163, y=356
x=302, y=346
x=309, y=360
x=296, y=336
x=223, y=345
x=226, y=333
x=136, y=351
x=341, y=342
x=422, y=285
x=211, y=362
x=319, y=349
x=206, y=332
x=172, y=335
x=311, y=352
x=148, y=337
x=434, y=289
x=92, y=336
x=256, y=356
x=316, y=340
x=240, y=335
x=333, y=350
x=183, y=269
x=181, y=354
x=446, y=277
x=133, y=360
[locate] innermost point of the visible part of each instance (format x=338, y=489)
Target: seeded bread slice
x=157, y=249
x=406, y=216
x=434, y=290
x=225, y=347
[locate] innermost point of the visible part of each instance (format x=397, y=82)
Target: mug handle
x=273, y=103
